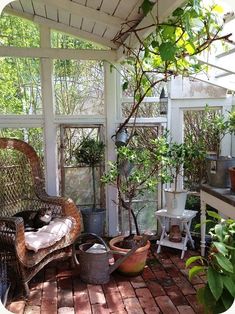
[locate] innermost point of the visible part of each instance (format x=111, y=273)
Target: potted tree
x=217, y=166
x=153, y=61
x=144, y=171
x=218, y=293
x=91, y=152
x=175, y=195
x=179, y=158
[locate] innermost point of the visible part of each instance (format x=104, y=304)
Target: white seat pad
x=48, y=235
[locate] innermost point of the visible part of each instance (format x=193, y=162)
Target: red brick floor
x=162, y=288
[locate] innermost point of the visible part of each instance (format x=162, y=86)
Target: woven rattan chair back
x=23, y=188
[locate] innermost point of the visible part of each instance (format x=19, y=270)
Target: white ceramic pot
x=175, y=201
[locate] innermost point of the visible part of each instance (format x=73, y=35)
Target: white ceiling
x=94, y=20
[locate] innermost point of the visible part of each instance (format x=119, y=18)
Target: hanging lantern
x=163, y=101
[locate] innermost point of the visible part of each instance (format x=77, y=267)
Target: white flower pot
x=175, y=201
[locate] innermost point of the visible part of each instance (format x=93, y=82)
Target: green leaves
x=167, y=51
x=90, y=152
x=215, y=282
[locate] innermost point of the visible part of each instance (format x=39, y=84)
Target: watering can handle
x=123, y=258
x=86, y=235
x=95, y=236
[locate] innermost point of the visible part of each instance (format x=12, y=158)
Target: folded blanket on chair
x=48, y=235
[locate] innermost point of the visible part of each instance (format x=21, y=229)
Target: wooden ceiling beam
x=86, y=12
x=58, y=53
x=62, y=28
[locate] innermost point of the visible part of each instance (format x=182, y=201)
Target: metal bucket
x=94, y=267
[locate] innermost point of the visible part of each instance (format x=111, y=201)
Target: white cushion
x=48, y=235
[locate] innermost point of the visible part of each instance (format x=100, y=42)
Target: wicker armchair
x=22, y=188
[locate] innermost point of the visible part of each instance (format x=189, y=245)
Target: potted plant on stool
x=91, y=152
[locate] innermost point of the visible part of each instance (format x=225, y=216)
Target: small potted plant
x=218, y=294
x=217, y=165
x=137, y=169
x=91, y=152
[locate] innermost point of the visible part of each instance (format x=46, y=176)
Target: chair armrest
x=12, y=237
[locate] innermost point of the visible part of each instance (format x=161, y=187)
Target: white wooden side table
x=185, y=220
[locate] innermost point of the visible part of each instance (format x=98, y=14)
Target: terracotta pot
x=134, y=264
x=232, y=177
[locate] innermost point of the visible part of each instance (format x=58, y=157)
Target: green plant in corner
x=218, y=293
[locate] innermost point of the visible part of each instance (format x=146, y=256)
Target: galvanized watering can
x=121, y=138
x=94, y=262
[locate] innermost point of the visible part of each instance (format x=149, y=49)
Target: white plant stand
x=185, y=220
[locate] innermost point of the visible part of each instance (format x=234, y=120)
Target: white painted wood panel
x=110, y=33
x=99, y=29
x=39, y=8
x=74, y=32
x=109, y=6
x=135, y=13
x=51, y=13
x=64, y=17
x=87, y=25
x=17, y=6
x=85, y=12
x=83, y=2
x=58, y=53
x=95, y=4
x=50, y=135
x=27, y=6
x=126, y=7
x=76, y=21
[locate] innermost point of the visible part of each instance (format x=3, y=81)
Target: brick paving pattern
x=162, y=288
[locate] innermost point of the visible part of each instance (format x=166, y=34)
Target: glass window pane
x=20, y=86
x=79, y=87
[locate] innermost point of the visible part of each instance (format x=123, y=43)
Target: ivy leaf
x=215, y=282
x=224, y=263
x=167, y=51
x=147, y=6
